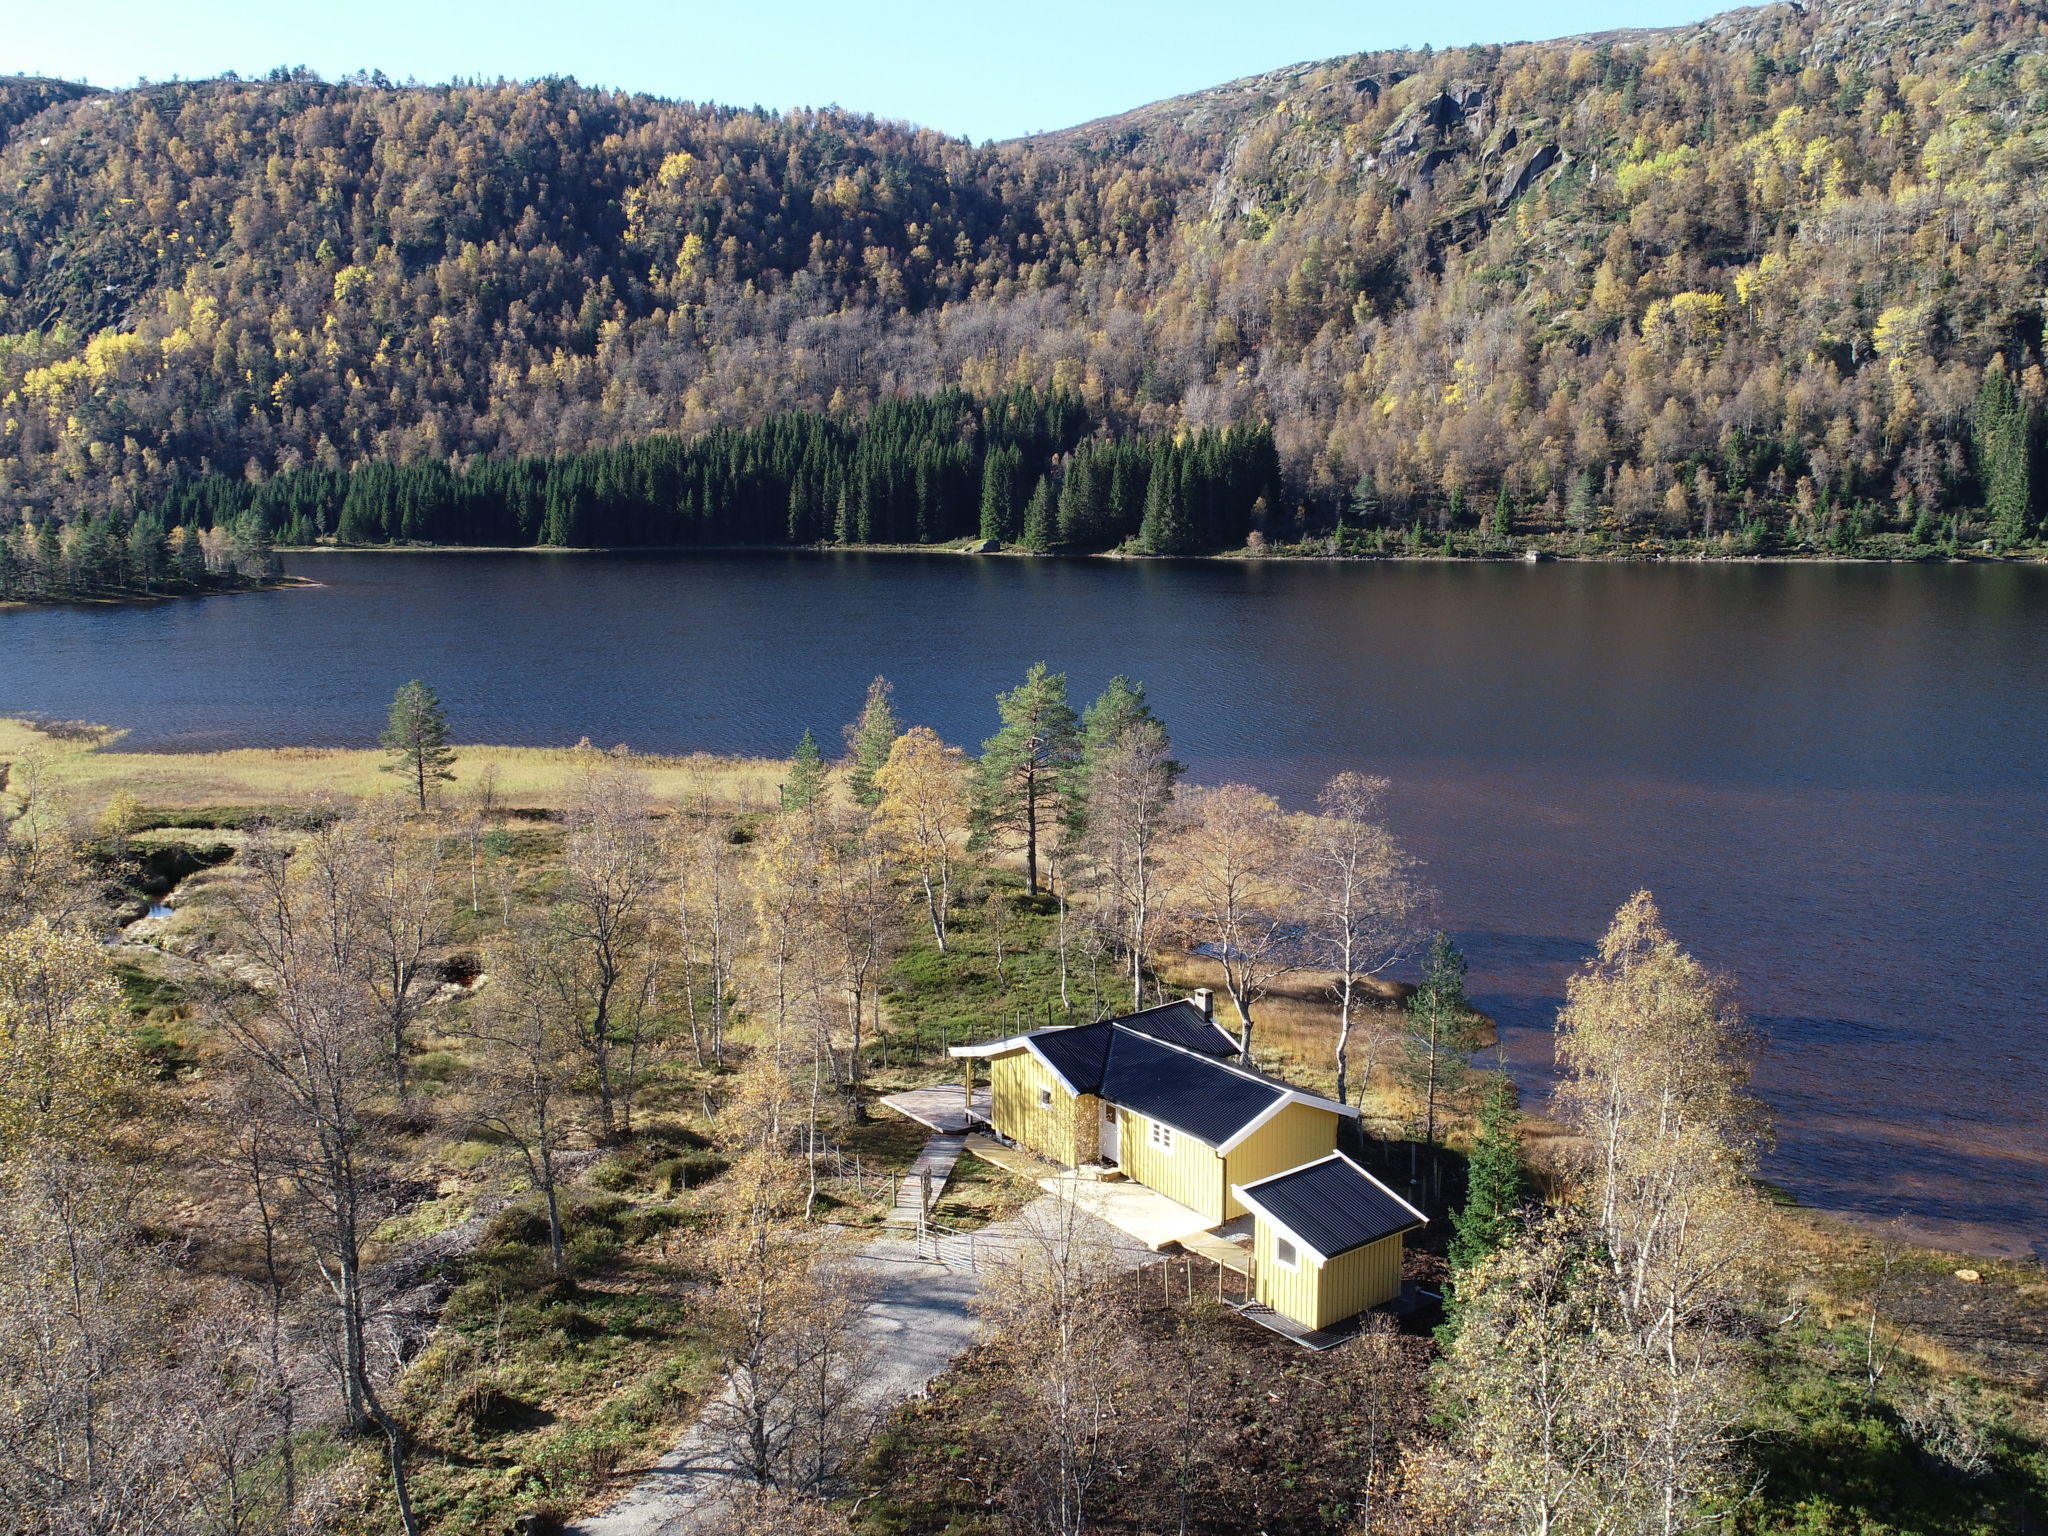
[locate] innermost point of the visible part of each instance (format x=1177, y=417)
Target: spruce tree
x=2004, y=431
x=1041, y=525
x=1024, y=777
x=1496, y=1183
x=1437, y=1040
x=869, y=739
x=806, y=775
x=999, y=495
x=416, y=736
x=1166, y=529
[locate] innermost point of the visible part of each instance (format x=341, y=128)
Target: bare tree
x=479, y=806
x=790, y=1318
x=1061, y=1328
x=310, y=1046
x=1230, y=866
x=709, y=925
x=528, y=1055
x=1360, y=900
x=610, y=865
x=404, y=916
x=860, y=910
x=1130, y=795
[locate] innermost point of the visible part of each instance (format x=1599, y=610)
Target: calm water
x=1834, y=778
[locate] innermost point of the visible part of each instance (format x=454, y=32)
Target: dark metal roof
x=1333, y=1205
x=1193, y=1093
x=1183, y=1024
x=1078, y=1054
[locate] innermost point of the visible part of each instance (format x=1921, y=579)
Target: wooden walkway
x=914, y=1196
x=1021, y=1163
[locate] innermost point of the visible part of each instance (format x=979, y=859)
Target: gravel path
x=921, y=1317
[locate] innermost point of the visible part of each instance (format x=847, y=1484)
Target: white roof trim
x=1046, y=1062
x=1291, y=1096
x=1245, y=1192
x=1280, y=1226
x=993, y=1048
x=1016, y=1043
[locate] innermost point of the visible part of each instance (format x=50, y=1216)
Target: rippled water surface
x=1833, y=777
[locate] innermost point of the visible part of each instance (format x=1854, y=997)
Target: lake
x=1834, y=778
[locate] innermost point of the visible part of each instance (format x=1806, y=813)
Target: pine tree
x=1503, y=527
x=416, y=736
x=869, y=739
x=1117, y=715
x=1496, y=1183
x=1024, y=775
x=806, y=775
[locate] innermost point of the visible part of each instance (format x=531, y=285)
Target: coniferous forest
x=1765, y=283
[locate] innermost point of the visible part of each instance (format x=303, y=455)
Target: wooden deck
x=944, y=1108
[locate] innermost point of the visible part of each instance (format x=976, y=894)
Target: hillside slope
x=1753, y=268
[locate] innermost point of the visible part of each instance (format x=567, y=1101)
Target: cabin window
x=1162, y=1136
x=1045, y=1098
x=1284, y=1254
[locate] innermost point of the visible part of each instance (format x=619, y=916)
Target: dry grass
x=89, y=772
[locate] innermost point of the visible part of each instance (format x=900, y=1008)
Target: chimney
x=1206, y=1001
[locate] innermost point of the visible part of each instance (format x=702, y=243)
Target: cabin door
x=1112, y=1135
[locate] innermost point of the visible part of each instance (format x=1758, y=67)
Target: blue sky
x=987, y=70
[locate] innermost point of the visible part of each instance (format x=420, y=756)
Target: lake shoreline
x=1285, y=554
x=135, y=599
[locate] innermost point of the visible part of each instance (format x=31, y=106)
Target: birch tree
x=923, y=812
x=1234, y=901
x=312, y=1052
x=1656, y=1058
x=610, y=862
x=1128, y=785
x=527, y=1058
x=1360, y=898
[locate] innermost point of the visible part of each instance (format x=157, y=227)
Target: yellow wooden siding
x=1014, y=1083
x=1191, y=1173
x=1318, y=1296
x=1299, y=1134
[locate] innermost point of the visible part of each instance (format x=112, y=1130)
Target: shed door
x=1112, y=1135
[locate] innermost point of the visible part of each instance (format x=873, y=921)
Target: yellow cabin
x=1158, y=1095
x=1326, y=1241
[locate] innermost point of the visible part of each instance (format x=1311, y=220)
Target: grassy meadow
x=87, y=767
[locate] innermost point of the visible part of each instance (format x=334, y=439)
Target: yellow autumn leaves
x=65, y=1053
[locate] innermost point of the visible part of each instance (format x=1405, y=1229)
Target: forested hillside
x=1782, y=268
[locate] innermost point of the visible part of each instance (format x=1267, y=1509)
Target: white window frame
x=1045, y=1098
x=1285, y=1254
x=1160, y=1135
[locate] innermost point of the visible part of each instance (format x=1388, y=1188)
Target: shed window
x=1162, y=1136
x=1284, y=1254
x=1045, y=1098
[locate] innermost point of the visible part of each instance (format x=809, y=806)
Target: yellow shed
x=1326, y=1240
